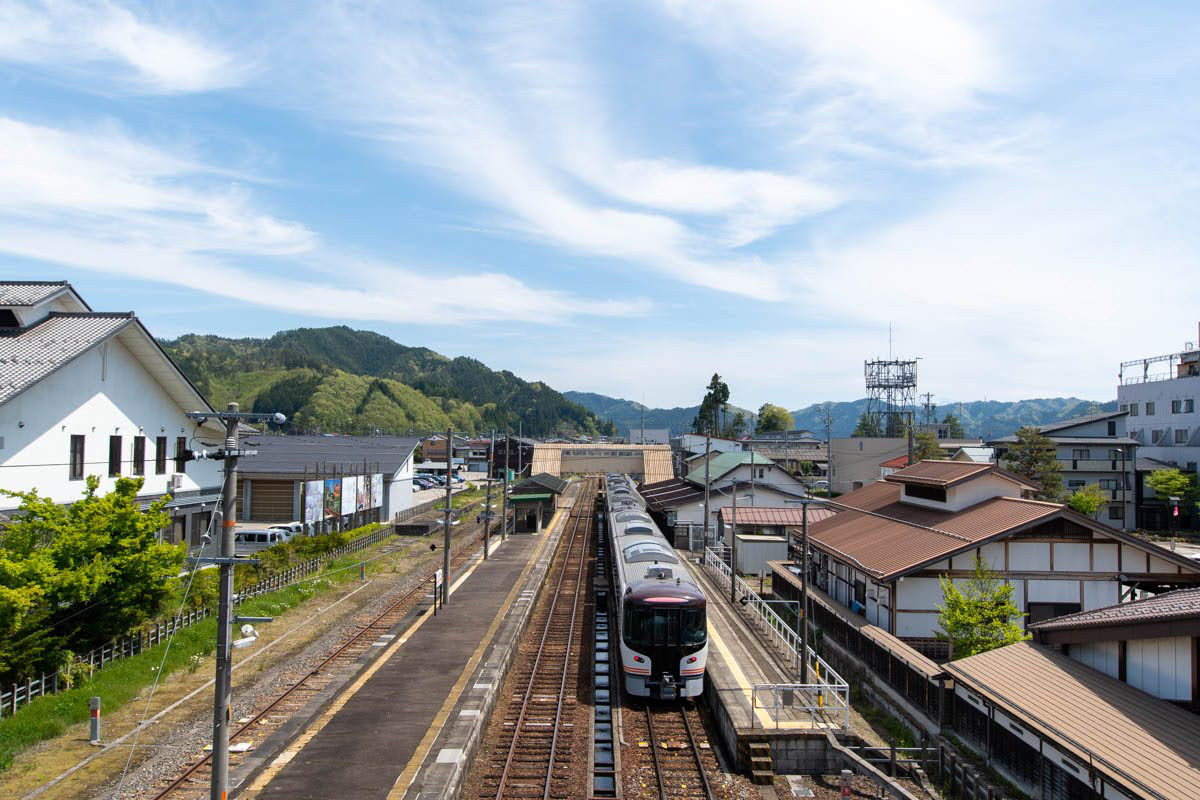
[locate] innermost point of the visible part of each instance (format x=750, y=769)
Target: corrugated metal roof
x=663, y=495
x=29, y=293
x=1179, y=604
x=944, y=472
x=1120, y=730
x=301, y=456
x=724, y=463
x=543, y=480
x=759, y=515
x=27, y=355
x=895, y=463
x=1071, y=423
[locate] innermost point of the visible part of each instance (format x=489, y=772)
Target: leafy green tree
x=738, y=426
x=1087, y=500
x=1172, y=483
x=73, y=577
x=925, y=447
x=868, y=426
x=1033, y=457
x=955, y=427
x=979, y=616
x=773, y=418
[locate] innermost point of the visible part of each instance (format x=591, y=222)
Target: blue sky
x=625, y=197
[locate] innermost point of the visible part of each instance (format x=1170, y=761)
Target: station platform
x=432, y=677
x=752, y=689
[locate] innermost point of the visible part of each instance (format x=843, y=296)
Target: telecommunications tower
x=891, y=394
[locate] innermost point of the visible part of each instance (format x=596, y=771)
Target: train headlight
x=639, y=659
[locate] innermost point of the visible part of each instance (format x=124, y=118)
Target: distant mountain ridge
x=980, y=418
x=339, y=380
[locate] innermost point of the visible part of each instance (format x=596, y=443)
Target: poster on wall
x=377, y=490
x=364, y=492
x=333, y=497
x=349, y=494
x=314, y=501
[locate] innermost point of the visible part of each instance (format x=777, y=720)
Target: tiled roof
x=29, y=293
x=724, y=463
x=1180, y=604
x=1105, y=724
x=895, y=463
x=791, y=516
x=27, y=355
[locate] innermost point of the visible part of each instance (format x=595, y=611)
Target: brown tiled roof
x=940, y=472
x=1180, y=604
x=897, y=462
x=1137, y=740
x=759, y=515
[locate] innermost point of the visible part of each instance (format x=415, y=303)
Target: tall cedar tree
x=708, y=418
x=1033, y=457
x=868, y=426
x=979, y=616
x=74, y=577
x=925, y=447
x=955, y=425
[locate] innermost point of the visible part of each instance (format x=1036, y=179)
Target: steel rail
x=585, y=511
x=357, y=637
x=693, y=746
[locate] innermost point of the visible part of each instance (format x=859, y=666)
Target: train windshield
x=649, y=626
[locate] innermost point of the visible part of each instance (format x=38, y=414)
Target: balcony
x=1093, y=464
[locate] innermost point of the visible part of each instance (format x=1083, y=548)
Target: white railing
x=827, y=693
x=788, y=702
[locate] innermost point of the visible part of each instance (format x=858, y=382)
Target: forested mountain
x=982, y=418
x=338, y=380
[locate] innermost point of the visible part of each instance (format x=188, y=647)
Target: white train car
x=661, y=616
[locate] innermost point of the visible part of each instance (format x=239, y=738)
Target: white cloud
x=104, y=40
x=101, y=200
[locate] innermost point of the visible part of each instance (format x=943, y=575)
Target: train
x=661, y=614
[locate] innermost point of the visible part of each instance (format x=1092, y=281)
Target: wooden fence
x=131, y=644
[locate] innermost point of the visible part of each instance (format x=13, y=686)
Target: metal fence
x=131, y=644
x=827, y=694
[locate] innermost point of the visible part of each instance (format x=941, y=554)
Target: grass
x=121, y=681
x=890, y=728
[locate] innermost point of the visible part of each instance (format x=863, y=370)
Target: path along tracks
x=538, y=753
x=194, y=781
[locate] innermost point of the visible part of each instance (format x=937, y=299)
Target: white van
x=247, y=543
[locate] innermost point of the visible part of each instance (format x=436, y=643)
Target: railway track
x=194, y=781
x=674, y=760
x=536, y=754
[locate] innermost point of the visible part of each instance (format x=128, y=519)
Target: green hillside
x=338, y=380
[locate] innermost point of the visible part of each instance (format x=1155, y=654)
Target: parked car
x=248, y=543
x=293, y=528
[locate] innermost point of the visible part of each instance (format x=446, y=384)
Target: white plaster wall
x=1104, y=555
x=1098, y=594
x=1018, y=596
x=922, y=593
x=1071, y=557
x=993, y=555
x=915, y=624
x=1161, y=565
x=95, y=400
x=1133, y=559
x=1101, y=656
x=1029, y=556
x=1161, y=667
x=980, y=489
x=1065, y=591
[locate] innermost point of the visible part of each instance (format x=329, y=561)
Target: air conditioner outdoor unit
x=176, y=482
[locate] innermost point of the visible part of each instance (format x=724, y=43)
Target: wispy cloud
x=102, y=200
x=102, y=41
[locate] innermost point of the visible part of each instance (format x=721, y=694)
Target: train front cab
x=664, y=642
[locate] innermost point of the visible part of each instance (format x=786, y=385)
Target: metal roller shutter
x=270, y=501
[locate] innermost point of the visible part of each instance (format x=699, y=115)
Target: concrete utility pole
x=803, y=616
x=707, y=446
x=449, y=493
x=487, y=509
x=733, y=551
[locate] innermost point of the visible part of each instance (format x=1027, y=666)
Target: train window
x=695, y=629
x=647, y=627
x=648, y=551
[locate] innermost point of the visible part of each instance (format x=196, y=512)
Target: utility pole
x=487, y=509
x=232, y=417
x=733, y=552
x=504, y=493
x=449, y=492
x=707, y=445
x=520, y=451
x=804, y=593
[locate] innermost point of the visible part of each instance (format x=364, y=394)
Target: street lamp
x=804, y=503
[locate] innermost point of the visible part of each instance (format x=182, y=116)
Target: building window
x=1176, y=406
x=1189, y=406
x=180, y=453
x=114, y=456
x=1156, y=435
x=1112, y=428
x=76, y=458
x=1108, y=483
x=1191, y=466
x=1133, y=409
x=1149, y=409
x=1081, y=454
x=937, y=493
x=1116, y=512
x=1124, y=407
x=1073, y=485
x=1115, y=455
x=1039, y=612
x=1181, y=435
x=139, y=455
x=160, y=455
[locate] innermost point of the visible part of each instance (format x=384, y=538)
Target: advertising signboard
x=314, y=501
x=333, y=497
x=349, y=494
x=377, y=490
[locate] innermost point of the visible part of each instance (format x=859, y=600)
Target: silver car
x=248, y=543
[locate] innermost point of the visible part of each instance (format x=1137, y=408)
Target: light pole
x=804, y=501
x=707, y=446
x=449, y=494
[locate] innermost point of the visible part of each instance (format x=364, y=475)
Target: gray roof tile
x=27, y=355
x=28, y=293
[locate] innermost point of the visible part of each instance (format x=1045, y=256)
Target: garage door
x=271, y=501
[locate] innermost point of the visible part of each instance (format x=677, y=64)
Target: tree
x=1087, y=500
x=738, y=426
x=868, y=426
x=1033, y=457
x=73, y=577
x=979, y=616
x=925, y=446
x=773, y=418
x=1168, y=483
x=708, y=418
x=955, y=427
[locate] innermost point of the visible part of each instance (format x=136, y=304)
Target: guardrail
x=827, y=694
